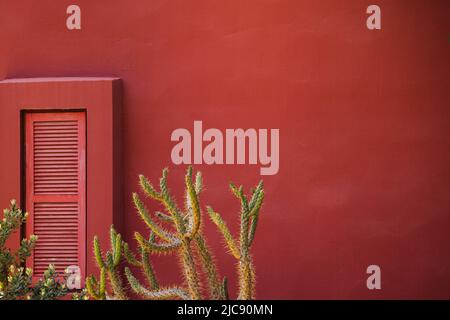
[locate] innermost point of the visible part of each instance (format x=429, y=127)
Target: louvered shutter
x=55, y=189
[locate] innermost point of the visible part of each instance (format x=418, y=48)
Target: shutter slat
x=53, y=224
x=52, y=160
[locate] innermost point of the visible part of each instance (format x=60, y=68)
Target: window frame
x=80, y=197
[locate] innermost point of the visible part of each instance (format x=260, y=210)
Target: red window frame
x=80, y=197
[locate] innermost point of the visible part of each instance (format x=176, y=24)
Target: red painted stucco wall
x=363, y=116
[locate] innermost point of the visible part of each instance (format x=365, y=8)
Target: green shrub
x=15, y=279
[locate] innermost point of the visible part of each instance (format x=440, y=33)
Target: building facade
x=361, y=116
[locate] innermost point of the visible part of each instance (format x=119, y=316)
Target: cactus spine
x=241, y=250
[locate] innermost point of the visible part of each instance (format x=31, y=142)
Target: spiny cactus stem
x=246, y=280
x=223, y=228
x=190, y=272
x=193, y=204
x=255, y=216
x=243, y=240
x=148, y=271
x=225, y=295
x=209, y=268
x=198, y=182
x=129, y=256
x=102, y=284
x=160, y=294
x=116, y=284
x=255, y=195
x=117, y=250
x=148, y=188
x=163, y=216
x=98, y=253
x=143, y=213
x=150, y=246
x=112, y=236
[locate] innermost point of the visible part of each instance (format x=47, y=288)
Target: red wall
x=363, y=115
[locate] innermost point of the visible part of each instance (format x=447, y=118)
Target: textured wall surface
x=363, y=116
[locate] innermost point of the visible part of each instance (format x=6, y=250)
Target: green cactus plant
x=186, y=237
x=109, y=268
x=97, y=288
x=241, y=249
x=179, y=231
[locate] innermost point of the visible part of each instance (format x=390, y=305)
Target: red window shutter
x=56, y=189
